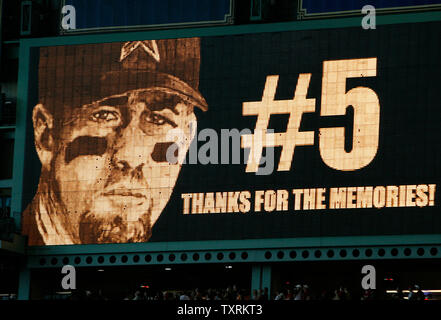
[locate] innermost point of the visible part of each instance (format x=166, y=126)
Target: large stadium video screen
x=332, y=132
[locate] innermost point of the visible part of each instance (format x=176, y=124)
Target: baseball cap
x=75, y=75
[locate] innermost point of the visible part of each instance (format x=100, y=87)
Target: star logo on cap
x=148, y=46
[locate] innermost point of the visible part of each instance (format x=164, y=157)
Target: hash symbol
x=287, y=140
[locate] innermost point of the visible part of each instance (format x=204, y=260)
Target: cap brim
x=132, y=80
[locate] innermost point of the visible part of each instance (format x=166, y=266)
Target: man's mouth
x=124, y=193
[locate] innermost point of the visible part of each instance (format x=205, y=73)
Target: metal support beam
x=24, y=283
x=261, y=277
x=255, y=277
x=266, y=278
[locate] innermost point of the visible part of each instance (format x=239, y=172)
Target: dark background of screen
x=234, y=70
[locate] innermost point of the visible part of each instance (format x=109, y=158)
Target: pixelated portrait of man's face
x=106, y=175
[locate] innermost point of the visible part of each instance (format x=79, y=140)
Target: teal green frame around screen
x=25, y=83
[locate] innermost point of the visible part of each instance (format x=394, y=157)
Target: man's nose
x=133, y=149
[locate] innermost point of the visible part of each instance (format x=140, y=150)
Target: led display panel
x=313, y=133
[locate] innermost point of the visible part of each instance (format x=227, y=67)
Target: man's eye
x=104, y=115
x=157, y=119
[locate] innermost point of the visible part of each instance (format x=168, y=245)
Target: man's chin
x=113, y=229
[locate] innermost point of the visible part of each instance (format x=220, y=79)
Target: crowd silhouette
x=300, y=292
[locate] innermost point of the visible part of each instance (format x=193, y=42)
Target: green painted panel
x=238, y=244
x=344, y=253
x=230, y=30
